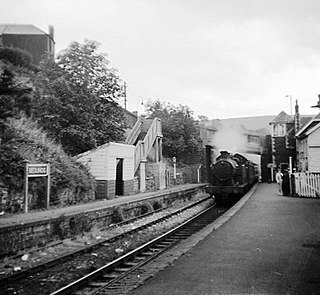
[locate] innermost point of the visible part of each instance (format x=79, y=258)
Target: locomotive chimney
x=224, y=155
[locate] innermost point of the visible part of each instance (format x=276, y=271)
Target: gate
x=307, y=185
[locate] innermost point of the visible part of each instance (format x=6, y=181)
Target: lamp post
x=125, y=95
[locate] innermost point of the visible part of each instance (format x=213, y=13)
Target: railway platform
x=35, y=229
x=271, y=245
x=8, y=219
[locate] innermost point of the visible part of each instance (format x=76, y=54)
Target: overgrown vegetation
x=57, y=110
x=16, y=57
x=25, y=141
x=52, y=112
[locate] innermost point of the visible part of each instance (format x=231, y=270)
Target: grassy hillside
x=24, y=140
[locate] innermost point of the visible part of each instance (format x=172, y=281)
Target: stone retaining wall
x=36, y=234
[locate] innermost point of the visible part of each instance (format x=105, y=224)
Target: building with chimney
x=29, y=38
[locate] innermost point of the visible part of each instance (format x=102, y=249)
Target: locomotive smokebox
x=225, y=168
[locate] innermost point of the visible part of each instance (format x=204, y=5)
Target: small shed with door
x=112, y=165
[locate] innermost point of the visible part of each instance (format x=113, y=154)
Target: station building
x=29, y=38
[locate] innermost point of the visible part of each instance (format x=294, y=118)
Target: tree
x=86, y=67
x=77, y=99
x=181, y=136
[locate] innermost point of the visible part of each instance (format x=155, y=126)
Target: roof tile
x=283, y=117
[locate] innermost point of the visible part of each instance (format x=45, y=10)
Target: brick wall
x=128, y=187
x=38, y=45
x=106, y=189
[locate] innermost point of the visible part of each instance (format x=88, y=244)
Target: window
x=279, y=129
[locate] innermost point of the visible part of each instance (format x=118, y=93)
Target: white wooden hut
x=112, y=165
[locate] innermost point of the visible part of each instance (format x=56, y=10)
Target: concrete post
x=157, y=150
x=143, y=176
x=160, y=149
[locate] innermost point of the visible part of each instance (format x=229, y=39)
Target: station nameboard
x=37, y=170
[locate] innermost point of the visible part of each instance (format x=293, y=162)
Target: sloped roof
x=314, y=128
x=102, y=147
x=12, y=29
x=304, y=131
x=283, y=117
x=304, y=120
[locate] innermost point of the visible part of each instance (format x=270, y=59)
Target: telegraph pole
x=125, y=95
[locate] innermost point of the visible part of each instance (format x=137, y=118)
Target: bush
x=16, y=56
x=71, y=182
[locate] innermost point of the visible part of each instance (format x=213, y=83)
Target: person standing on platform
x=279, y=177
x=286, y=183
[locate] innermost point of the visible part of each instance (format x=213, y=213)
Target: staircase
x=135, y=132
x=144, y=135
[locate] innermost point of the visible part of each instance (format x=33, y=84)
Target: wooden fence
x=306, y=185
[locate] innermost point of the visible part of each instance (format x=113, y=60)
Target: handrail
x=138, y=154
x=144, y=146
x=153, y=132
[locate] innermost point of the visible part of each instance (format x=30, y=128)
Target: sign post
x=271, y=166
x=174, y=159
x=36, y=170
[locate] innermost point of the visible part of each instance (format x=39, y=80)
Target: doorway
x=119, y=177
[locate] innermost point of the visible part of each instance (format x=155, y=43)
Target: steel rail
x=37, y=268
x=72, y=287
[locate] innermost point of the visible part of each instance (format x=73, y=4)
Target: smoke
x=233, y=138
x=230, y=138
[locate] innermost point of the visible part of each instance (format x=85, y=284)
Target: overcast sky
x=222, y=58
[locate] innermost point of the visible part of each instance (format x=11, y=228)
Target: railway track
x=122, y=274
x=42, y=274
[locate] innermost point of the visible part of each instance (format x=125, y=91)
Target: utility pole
x=125, y=95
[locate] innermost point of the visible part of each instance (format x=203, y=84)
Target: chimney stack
x=296, y=118
x=51, y=32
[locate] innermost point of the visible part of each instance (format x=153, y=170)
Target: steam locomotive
x=231, y=176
